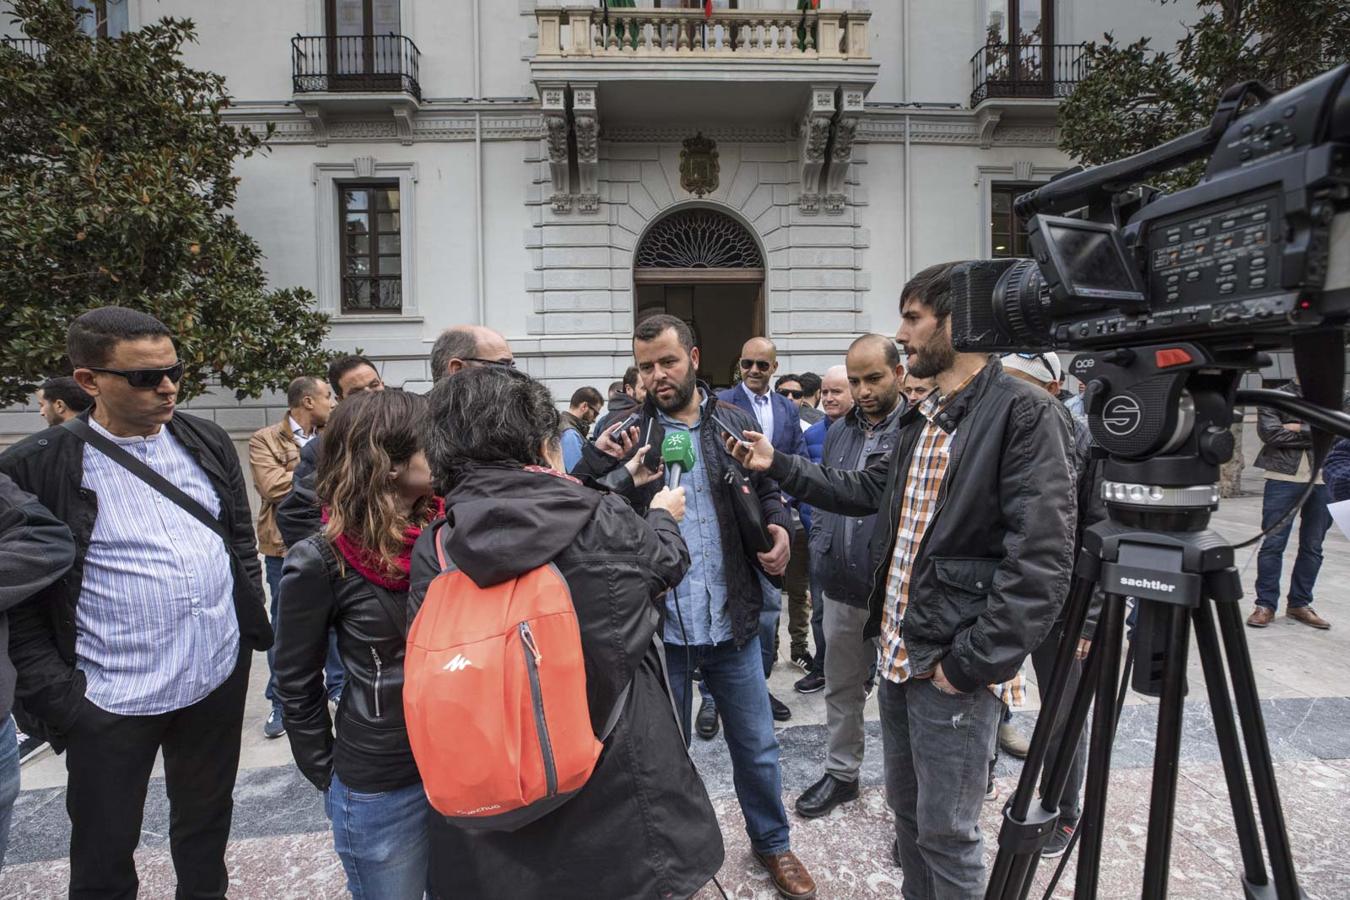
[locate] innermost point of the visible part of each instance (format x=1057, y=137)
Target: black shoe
x=825, y=795
x=810, y=683
x=781, y=713
x=705, y=723
x=802, y=660
x=1059, y=839
x=895, y=853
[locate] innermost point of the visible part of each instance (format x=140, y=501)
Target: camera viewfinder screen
x=1091, y=259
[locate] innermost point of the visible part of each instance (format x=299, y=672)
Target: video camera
x=1259, y=249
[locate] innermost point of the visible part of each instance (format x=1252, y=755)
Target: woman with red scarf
x=375, y=489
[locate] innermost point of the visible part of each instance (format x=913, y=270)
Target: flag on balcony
x=707, y=9
x=805, y=6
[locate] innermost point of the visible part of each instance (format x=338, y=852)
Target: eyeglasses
x=501, y=363
x=144, y=379
x=761, y=364
x=791, y=394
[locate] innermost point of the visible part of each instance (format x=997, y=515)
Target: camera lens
x=1023, y=305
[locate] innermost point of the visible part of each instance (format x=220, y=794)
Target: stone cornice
x=956, y=126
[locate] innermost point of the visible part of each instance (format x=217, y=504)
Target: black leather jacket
x=993, y=568
x=370, y=751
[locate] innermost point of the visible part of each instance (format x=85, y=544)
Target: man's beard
x=933, y=360
x=683, y=391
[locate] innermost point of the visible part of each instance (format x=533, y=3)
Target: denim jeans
x=381, y=839
x=936, y=748
x=1314, y=520
x=768, y=623
x=736, y=680
x=9, y=781
x=332, y=669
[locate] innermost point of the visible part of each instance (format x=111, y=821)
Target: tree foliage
x=1135, y=97
x=116, y=182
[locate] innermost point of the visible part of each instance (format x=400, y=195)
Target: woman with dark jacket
x=642, y=825
x=375, y=490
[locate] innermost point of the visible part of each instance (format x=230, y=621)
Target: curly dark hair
x=488, y=414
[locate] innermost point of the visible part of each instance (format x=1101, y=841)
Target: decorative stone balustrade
x=587, y=31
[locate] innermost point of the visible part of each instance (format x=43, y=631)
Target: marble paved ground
x=281, y=848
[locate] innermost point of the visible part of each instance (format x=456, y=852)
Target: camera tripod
x=1156, y=548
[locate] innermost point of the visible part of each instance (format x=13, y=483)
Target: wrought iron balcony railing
x=27, y=46
x=362, y=63
x=1026, y=70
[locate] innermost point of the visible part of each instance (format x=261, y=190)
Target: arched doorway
x=706, y=268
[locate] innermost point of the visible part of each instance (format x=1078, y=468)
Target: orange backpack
x=494, y=694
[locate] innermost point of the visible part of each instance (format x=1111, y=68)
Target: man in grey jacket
x=35, y=549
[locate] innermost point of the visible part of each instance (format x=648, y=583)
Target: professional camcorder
x=1259, y=249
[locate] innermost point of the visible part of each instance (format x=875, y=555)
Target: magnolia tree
x=116, y=184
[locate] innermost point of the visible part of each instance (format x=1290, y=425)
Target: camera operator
x=979, y=508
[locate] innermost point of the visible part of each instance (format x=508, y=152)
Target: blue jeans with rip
x=9, y=781
x=332, y=669
x=381, y=839
x=1314, y=520
x=736, y=680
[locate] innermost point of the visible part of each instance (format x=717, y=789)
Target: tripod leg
x=1225, y=730
x=1258, y=751
x=1166, y=753
x=1091, y=825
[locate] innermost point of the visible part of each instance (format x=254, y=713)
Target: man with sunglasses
x=145, y=646
x=778, y=418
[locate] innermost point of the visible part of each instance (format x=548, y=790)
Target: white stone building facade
x=547, y=170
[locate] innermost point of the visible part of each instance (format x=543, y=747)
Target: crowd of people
x=919, y=507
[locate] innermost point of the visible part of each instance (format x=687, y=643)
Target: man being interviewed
x=974, y=561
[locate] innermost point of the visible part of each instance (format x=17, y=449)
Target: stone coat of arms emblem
x=698, y=165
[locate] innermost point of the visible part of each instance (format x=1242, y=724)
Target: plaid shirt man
x=923, y=484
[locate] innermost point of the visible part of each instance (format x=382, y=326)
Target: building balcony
x=340, y=68
x=1032, y=75
x=27, y=46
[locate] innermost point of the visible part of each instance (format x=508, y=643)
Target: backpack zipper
x=379, y=673
x=532, y=659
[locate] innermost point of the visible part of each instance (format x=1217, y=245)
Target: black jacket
x=844, y=569
x=298, y=514
x=50, y=464
x=642, y=825
x=1282, y=450
x=371, y=751
x=745, y=595
x=993, y=568
x=620, y=408
x=35, y=550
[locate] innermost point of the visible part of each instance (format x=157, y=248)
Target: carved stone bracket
x=986, y=122
x=814, y=131
x=841, y=149
x=403, y=124
x=317, y=125
x=586, y=126
x=554, y=106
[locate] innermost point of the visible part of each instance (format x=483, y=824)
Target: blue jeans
x=9, y=780
x=333, y=672
x=736, y=680
x=768, y=633
x=1314, y=520
x=381, y=839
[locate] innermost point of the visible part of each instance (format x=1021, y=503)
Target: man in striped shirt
x=145, y=646
x=970, y=571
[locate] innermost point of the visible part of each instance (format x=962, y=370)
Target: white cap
x=1044, y=367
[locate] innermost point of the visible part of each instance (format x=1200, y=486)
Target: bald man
x=778, y=418
x=839, y=546
x=462, y=346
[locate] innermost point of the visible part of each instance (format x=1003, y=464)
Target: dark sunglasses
x=763, y=364
x=145, y=379
x=502, y=363
x=788, y=392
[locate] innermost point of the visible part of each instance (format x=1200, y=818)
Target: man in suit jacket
x=778, y=417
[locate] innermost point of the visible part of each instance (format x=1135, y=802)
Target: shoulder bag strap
x=168, y=489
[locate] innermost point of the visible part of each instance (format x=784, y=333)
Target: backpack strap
x=438, y=538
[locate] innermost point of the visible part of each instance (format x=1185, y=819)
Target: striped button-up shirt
x=923, y=484
x=155, y=624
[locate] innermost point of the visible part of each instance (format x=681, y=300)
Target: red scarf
x=369, y=565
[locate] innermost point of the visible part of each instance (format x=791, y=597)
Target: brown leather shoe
x=789, y=875
x=1307, y=616
x=1261, y=617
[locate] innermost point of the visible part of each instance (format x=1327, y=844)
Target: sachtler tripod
x=1163, y=414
